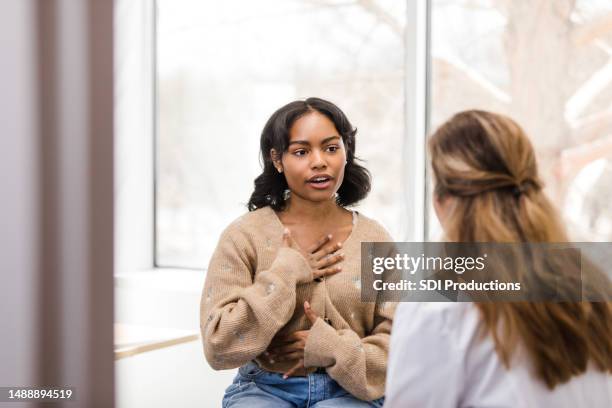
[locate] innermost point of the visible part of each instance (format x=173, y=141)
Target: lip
x=320, y=175
x=320, y=186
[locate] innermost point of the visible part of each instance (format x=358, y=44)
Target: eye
x=299, y=152
x=333, y=148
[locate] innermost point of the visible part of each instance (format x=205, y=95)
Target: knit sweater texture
x=255, y=290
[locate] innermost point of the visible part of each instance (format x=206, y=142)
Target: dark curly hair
x=270, y=185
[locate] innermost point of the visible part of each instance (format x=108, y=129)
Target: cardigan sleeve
x=240, y=311
x=359, y=365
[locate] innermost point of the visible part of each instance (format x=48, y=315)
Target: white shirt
x=437, y=359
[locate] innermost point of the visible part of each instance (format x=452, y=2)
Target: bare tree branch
x=592, y=127
x=584, y=34
x=372, y=7
x=604, y=46
x=465, y=71
x=584, y=95
x=573, y=159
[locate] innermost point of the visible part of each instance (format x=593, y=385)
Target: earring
x=286, y=194
x=280, y=170
x=336, y=198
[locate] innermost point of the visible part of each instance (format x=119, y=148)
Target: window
x=224, y=67
x=549, y=66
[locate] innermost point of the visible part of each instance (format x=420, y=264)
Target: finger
x=310, y=314
x=287, y=239
x=288, y=338
x=291, y=356
x=329, y=261
x=332, y=271
x=274, y=348
x=276, y=351
x=326, y=272
x=325, y=251
x=293, y=369
x=324, y=240
x=282, y=340
x=298, y=345
x=297, y=335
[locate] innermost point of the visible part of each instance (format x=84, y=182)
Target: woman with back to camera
x=282, y=293
x=501, y=354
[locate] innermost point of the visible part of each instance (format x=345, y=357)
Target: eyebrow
x=305, y=143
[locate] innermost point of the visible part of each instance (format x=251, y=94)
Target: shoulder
x=249, y=234
x=252, y=223
x=371, y=230
x=252, y=232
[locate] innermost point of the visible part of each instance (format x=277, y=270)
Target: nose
x=317, y=160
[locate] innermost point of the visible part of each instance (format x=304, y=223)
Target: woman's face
x=314, y=161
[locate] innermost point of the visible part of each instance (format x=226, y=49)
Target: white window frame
x=134, y=129
x=417, y=69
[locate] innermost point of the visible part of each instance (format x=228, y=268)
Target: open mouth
x=320, y=182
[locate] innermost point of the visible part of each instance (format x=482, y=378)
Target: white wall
x=178, y=376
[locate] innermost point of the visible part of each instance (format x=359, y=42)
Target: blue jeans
x=254, y=387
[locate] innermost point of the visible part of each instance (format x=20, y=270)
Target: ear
x=276, y=160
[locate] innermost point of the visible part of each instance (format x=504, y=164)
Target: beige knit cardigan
x=255, y=290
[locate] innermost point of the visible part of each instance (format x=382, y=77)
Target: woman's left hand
x=291, y=347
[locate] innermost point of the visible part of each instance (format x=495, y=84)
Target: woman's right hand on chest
x=322, y=257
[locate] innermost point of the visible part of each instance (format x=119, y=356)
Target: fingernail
x=286, y=231
x=306, y=304
x=329, y=236
x=339, y=244
x=284, y=376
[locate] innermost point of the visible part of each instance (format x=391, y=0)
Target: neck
x=310, y=211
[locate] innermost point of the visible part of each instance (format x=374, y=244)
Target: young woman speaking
x=282, y=293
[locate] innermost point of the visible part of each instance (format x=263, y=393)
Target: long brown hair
x=486, y=163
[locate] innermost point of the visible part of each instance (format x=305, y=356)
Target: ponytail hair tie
x=518, y=190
